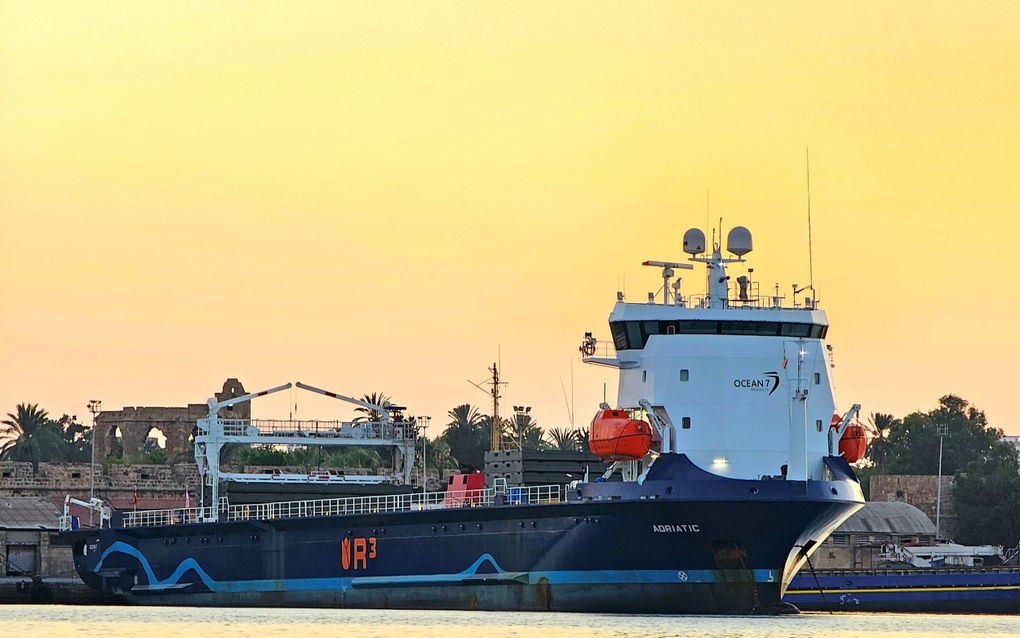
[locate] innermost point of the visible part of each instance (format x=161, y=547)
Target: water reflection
x=23, y=621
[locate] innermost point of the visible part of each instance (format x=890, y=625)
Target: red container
x=465, y=490
x=615, y=436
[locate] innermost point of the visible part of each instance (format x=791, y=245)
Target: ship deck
x=418, y=501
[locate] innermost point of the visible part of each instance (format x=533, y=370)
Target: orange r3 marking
x=356, y=552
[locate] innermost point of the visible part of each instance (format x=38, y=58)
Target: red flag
x=134, y=498
x=784, y=361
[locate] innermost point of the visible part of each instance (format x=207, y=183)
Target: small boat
x=615, y=436
x=853, y=443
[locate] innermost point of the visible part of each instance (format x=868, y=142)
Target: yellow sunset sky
x=387, y=196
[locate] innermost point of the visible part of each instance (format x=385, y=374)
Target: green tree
x=583, y=438
x=438, y=455
x=564, y=439
x=356, y=456
x=525, y=432
x=31, y=436
x=882, y=425
x=265, y=455
x=987, y=493
x=370, y=414
x=467, y=435
x=913, y=443
x=987, y=486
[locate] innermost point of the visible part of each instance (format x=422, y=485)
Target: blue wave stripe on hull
x=636, y=576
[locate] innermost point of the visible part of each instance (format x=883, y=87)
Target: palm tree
x=525, y=432
x=467, y=434
x=464, y=416
x=369, y=414
x=582, y=437
x=882, y=424
x=563, y=439
x=31, y=436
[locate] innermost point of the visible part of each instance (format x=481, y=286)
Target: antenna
x=708, y=206
x=811, y=261
x=571, y=393
x=566, y=402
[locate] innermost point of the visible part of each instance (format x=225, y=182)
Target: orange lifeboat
x=617, y=437
x=853, y=445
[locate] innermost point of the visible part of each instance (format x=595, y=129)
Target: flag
x=134, y=498
x=784, y=361
x=187, y=499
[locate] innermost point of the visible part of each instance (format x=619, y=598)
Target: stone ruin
x=133, y=426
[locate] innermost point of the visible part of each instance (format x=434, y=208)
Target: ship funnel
x=694, y=242
x=738, y=241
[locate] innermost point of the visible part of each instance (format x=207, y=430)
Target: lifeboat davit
x=853, y=445
x=615, y=436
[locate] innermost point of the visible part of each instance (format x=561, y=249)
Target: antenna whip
x=811, y=259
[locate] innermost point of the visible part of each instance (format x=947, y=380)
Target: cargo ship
x=934, y=590
x=727, y=470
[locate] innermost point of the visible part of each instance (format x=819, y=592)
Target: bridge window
x=818, y=378
x=685, y=423
x=795, y=330
x=818, y=425
x=632, y=335
x=685, y=375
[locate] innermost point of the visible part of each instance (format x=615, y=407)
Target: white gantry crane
x=214, y=432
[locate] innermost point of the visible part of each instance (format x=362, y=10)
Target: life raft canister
x=615, y=436
x=853, y=445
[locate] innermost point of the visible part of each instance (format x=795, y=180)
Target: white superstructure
x=738, y=381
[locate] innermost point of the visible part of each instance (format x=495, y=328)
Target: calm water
x=55, y=621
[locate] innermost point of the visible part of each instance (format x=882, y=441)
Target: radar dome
x=694, y=242
x=738, y=241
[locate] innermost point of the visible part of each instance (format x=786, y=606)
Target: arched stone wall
x=176, y=424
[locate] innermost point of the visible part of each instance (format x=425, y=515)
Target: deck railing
x=154, y=518
x=314, y=428
x=454, y=499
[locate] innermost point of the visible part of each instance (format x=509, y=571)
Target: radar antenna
x=667, y=274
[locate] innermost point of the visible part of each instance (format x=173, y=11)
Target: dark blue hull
x=675, y=544
x=963, y=590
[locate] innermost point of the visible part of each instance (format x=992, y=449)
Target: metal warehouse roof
x=28, y=512
x=892, y=517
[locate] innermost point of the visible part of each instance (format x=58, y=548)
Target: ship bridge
x=736, y=379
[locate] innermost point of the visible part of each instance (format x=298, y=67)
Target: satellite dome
x=738, y=241
x=694, y=242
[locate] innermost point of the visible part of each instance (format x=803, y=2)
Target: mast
x=495, y=431
x=495, y=438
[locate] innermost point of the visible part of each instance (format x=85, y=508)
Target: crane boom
x=382, y=409
x=216, y=406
